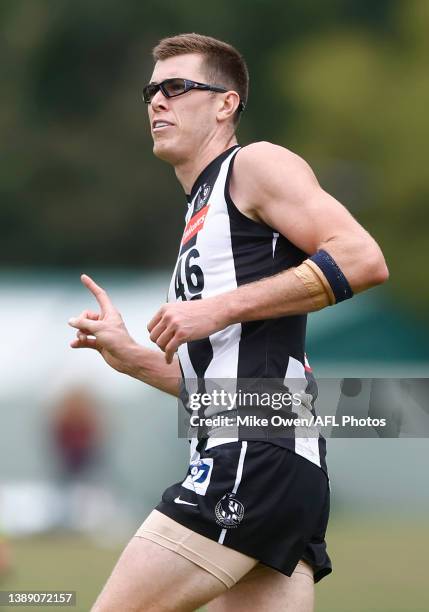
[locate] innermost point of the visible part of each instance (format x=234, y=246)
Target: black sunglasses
x=176, y=87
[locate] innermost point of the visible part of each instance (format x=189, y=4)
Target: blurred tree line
x=343, y=83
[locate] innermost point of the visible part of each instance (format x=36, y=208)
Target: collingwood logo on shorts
x=229, y=511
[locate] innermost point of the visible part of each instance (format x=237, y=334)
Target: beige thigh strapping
x=226, y=564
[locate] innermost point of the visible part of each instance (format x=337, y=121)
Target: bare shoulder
x=264, y=149
x=263, y=156
x=264, y=170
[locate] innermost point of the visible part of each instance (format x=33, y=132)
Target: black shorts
x=258, y=498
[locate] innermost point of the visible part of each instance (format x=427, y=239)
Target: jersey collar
x=206, y=172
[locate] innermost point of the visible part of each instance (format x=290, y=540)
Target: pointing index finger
x=98, y=292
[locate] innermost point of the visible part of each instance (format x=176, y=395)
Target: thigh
x=149, y=578
x=266, y=590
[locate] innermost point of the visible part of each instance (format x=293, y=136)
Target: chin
x=166, y=151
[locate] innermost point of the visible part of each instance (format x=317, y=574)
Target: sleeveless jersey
x=222, y=249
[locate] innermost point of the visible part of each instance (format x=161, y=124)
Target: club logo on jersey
x=199, y=474
x=202, y=197
x=229, y=511
x=195, y=225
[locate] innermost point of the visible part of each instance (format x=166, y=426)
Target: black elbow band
x=336, y=279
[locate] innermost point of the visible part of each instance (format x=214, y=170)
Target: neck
x=188, y=170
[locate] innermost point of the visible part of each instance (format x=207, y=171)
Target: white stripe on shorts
x=237, y=481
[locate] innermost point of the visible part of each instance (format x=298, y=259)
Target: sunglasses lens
x=149, y=91
x=174, y=87
x=169, y=87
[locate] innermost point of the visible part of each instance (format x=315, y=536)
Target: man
x=263, y=245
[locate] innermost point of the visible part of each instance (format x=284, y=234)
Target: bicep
x=291, y=201
x=312, y=221
x=282, y=191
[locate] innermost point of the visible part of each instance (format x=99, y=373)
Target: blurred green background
x=342, y=83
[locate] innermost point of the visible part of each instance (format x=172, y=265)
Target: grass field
x=379, y=566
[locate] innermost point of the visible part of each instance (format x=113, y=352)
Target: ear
x=228, y=104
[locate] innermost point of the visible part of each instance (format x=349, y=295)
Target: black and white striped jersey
x=220, y=250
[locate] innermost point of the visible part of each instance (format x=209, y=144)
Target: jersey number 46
x=189, y=281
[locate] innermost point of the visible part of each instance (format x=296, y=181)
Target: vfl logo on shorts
x=199, y=474
x=229, y=511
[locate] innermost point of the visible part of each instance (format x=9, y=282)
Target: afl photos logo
x=229, y=511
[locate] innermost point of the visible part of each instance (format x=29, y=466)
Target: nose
x=159, y=101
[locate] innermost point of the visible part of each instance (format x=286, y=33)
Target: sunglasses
x=176, y=87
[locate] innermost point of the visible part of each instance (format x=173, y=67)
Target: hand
x=180, y=322
x=104, y=331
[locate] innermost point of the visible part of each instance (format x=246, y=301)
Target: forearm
x=277, y=296
x=286, y=294
x=149, y=366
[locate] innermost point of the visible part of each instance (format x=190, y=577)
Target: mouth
x=158, y=125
